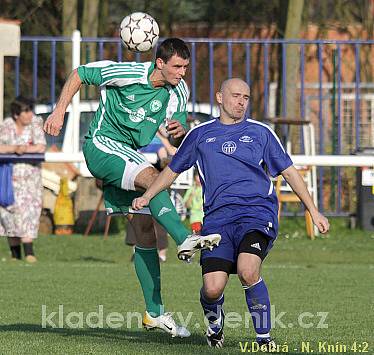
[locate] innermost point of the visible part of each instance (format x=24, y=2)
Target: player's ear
x=159, y=63
x=219, y=97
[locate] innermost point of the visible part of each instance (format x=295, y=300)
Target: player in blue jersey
x=235, y=156
x=135, y=99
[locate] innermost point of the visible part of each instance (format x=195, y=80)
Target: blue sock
x=258, y=302
x=213, y=311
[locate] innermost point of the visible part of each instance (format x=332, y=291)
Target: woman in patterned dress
x=23, y=133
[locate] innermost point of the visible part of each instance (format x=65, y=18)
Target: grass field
x=332, y=277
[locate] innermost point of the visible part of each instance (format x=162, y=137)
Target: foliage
x=232, y=17
x=328, y=13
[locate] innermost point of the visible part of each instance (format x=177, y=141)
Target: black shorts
x=253, y=242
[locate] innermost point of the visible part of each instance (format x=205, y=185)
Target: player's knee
x=212, y=292
x=249, y=277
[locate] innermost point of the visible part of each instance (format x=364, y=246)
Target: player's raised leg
x=124, y=170
x=164, y=212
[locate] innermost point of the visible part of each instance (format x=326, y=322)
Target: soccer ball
x=139, y=32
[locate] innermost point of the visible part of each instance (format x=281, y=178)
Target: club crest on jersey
x=156, y=105
x=137, y=116
x=229, y=147
x=245, y=139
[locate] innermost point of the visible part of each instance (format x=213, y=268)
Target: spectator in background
x=193, y=200
x=19, y=134
x=146, y=226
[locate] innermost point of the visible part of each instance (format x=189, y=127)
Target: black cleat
x=215, y=340
x=266, y=344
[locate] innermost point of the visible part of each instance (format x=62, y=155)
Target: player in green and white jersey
x=135, y=99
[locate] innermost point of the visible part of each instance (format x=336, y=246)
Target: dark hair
x=170, y=47
x=21, y=104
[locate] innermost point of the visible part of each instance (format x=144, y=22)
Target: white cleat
x=195, y=242
x=166, y=323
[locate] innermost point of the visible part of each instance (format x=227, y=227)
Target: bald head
x=233, y=99
x=229, y=84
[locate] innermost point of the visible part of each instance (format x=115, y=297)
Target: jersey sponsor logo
x=229, y=147
x=137, y=116
x=210, y=140
x=163, y=210
x=256, y=245
x=246, y=139
x=130, y=97
x=150, y=119
x=156, y=105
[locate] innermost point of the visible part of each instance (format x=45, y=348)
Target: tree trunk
x=103, y=18
x=293, y=26
x=289, y=25
x=69, y=24
x=90, y=26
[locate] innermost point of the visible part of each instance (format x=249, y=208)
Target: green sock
x=147, y=267
x=164, y=212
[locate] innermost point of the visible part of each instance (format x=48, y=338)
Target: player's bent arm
x=297, y=183
x=162, y=182
x=54, y=122
x=69, y=89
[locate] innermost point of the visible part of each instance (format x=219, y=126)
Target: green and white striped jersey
x=131, y=109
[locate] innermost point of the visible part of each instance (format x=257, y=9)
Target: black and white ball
x=139, y=32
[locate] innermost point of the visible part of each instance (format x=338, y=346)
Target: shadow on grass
x=129, y=335
x=87, y=259
x=96, y=260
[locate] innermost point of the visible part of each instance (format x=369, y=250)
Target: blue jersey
x=234, y=163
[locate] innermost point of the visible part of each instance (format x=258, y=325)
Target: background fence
x=331, y=85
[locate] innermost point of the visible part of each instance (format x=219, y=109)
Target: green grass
x=332, y=274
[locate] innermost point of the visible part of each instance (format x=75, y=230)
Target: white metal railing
x=309, y=160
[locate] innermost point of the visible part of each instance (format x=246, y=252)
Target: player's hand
x=321, y=222
x=54, y=123
x=175, y=129
x=139, y=203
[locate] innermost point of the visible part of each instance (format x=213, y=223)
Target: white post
x=76, y=59
x=1, y=87
x=10, y=35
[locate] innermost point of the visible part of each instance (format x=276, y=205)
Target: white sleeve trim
x=271, y=131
